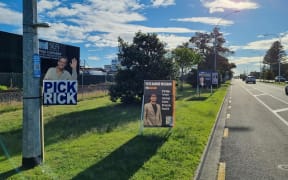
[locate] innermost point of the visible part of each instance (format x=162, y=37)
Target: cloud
x=111, y=56
x=93, y=58
x=116, y=6
x=44, y=5
x=206, y=20
x=264, y=44
x=95, y=23
x=158, y=3
x=221, y=5
x=9, y=17
x=108, y=19
x=172, y=41
x=245, y=60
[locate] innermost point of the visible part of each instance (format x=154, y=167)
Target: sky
x=249, y=26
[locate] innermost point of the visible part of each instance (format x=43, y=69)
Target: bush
x=3, y=88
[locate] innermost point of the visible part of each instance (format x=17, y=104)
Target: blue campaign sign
x=215, y=78
x=59, y=92
x=204, y=78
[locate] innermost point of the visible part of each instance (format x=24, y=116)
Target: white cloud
x=221, y=5
x=245, y=60
x=93, y=58
x=111, y=56
x=158, y=3
x=97, y=23
x=116, y=6
x=43, y=5
x=9, y=17
x=61, y=32
x=173, y=41
x=206, y=20
x=263, y=44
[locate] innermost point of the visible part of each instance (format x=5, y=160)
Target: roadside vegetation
x=99, y=139
x=3, y=88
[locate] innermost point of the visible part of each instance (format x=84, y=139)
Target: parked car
x=280, y=79
x=250, y=79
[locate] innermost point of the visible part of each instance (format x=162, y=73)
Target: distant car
x=280, y=79
x=250, y=79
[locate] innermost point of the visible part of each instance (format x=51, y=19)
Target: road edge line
x=221, y=171
x=211, y=135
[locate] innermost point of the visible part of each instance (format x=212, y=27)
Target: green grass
x=98, y=139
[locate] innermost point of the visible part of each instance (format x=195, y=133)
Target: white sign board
x=59, y=92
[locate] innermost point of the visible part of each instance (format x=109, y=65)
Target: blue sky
x=95, y=25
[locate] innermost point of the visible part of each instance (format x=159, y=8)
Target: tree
x=185, y=58
x=142, y=60
x=273, y=55
x=204, y=43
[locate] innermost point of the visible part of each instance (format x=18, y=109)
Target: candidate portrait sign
x=214, y=78
x=159, y=103
x=59, y=92
x=204, y=78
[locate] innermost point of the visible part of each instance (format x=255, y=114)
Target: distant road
x=256, y=146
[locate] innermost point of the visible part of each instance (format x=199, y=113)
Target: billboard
x=11, y=56
x=159, y=103
x=204, y=78
x=57, y=92
x=215, y=78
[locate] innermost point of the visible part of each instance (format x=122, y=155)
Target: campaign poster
x=57, y=92
x=204, y=78
x=214, y=78
x=159, y=103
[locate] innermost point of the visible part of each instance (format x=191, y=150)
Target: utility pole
x=32, y=149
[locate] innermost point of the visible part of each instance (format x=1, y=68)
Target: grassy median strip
x=98, y=139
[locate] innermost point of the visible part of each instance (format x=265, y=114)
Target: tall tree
x=185, y=58
x=273, y=55
x=205, y=43
x=142, y=60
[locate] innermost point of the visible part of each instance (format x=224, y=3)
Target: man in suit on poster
x=152, y=112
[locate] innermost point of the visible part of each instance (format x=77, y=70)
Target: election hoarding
x=58, y=92
x=159, y=103
x=214, y=78
x=204, y=78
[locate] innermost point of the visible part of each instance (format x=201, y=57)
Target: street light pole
x=215, y=39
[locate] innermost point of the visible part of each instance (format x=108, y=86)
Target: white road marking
x=228, y=116
x=271, y=110
x=274, y=97
x=281, y=110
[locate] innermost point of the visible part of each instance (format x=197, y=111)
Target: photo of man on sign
x=152, y=112
x=158, y=103
x=59, y=72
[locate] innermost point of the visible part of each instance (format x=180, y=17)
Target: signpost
x=158, y=107
x=207, y=79
x=57, y=92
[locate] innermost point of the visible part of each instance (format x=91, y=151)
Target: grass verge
x=98, y=139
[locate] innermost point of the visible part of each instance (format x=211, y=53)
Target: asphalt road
x=256, y=146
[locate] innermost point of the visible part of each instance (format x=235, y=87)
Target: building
x=11, y=56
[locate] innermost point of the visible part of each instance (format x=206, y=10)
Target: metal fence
x=16, y=95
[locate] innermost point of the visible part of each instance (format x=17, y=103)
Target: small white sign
x=59, y=92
